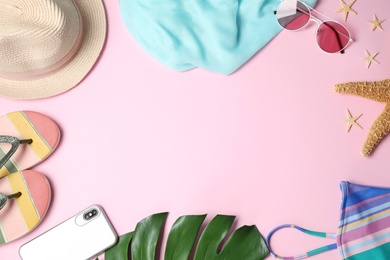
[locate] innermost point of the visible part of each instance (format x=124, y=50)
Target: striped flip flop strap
x=308, y=232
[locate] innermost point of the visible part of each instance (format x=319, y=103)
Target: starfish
x=370, y=58
x=376, y=23
x=346, y=9
x=378, y=91
x=352, y=120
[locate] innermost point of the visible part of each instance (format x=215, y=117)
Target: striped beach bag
x=364, y=229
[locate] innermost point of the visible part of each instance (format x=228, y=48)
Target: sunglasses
x=331, y=36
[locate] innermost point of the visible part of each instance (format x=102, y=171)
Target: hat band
x=47, y=71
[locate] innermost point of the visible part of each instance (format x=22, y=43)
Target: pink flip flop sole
x=21, y=215
x=28, y=125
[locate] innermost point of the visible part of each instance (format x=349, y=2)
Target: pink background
x=266, y=144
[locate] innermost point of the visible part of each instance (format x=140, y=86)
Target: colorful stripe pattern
x=19, y=216
x=27, y=125
x=308, y=232
x=364, y=228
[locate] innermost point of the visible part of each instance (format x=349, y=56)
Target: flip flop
x=26, y=139
x=22, y=214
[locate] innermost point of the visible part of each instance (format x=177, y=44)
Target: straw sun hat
x=48, y=46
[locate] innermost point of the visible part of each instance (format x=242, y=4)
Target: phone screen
x=81, y=237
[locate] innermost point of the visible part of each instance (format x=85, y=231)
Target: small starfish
x=352, y=120
x=376, y=23
x=378, y=91
x=347, y=8
x=370, y=58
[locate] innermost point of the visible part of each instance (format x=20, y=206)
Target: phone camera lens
x=90, y=214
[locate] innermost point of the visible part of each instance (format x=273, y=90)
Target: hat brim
x=94, y=35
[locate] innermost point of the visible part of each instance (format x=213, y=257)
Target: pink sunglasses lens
x=332, y=37
x=291, y=17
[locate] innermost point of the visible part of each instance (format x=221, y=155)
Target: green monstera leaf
x=244, y=243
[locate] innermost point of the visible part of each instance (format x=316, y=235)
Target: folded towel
x=216, y=35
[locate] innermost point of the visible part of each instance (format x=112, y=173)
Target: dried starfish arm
x=379, y=129
x=377, y=90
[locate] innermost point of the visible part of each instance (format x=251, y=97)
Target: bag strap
x=308, y=232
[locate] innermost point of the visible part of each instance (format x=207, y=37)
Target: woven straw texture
x=37, y=34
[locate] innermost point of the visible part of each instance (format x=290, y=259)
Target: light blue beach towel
x=216, y=35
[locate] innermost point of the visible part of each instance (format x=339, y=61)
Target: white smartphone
x=81, y=237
